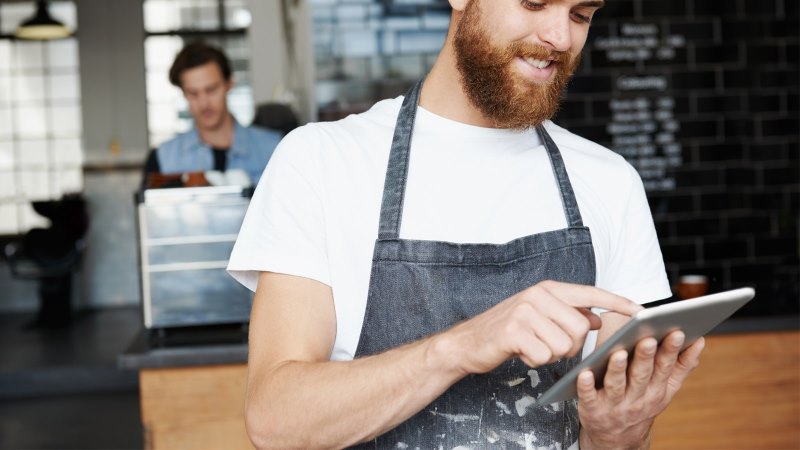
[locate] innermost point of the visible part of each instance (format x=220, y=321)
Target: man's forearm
x=336, y=404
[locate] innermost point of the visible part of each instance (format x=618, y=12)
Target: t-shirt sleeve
x=635, y=268
x=284, y=228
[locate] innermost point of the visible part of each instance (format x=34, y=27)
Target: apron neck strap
x=397, y=171
x=394, y=189
x=568, y=200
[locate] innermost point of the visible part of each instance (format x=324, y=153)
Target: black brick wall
x=733, y=211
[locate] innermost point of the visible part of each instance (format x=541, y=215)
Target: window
x=373, y=49
x=41, y=154
x=169, y=25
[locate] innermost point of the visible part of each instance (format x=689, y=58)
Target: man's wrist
x=634, y=438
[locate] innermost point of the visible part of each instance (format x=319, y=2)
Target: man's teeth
x=538, y=63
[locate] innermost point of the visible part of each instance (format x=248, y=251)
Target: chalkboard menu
x=701, y=97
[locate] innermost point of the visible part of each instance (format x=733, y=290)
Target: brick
x=617, y=9
x=725, y=249
x=781, y=175
x=760, y=7
x=718, y=8
x=718, y=54
x=694, y=80
x=571, y=110
x=693, y=31
x=600, y=109
x=764, y=54
x=699, y=128
x=740, y=176
x=739, y=78
x=749, y=225
x=757, y=28
x=679, y=252
x=780, y=78
x=764, y=102
x=729, y=151
x=719, y=104
x=724, y=201
x=743, y=273
x=767, y=152
x=667, y=202
x=652, y=8
x=590, y=84
x=793, y=102
x=778, y=127
x=739, y=128
x=711, y=226
x=768, y=201
x=774, y=246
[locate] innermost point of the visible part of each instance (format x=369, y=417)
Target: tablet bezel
x=695, y=317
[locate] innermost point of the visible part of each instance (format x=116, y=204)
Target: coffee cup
x=691, y=286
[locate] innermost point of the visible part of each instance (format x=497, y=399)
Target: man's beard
x=491, y=84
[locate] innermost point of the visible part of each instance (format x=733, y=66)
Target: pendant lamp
x=42, y=26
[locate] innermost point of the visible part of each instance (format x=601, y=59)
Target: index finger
x=581, y=296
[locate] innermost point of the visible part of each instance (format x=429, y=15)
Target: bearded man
x=425, y=270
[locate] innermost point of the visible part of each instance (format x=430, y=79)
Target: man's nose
x=555, y=30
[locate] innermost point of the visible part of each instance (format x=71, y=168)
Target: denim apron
x=418, y=288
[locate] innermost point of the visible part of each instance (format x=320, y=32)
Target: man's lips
x=537, y=69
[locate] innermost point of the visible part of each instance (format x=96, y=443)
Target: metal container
x=185, y=239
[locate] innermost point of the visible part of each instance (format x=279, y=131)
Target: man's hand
x=620, y=414
x=540, y=325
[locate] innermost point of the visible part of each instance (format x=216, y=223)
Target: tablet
x=695, y=317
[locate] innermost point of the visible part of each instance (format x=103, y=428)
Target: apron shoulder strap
x=397, y=172
x=568, y=200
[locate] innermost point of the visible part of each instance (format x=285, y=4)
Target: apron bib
x=418, y=288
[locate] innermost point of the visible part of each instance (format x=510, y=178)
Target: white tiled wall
x=41, y=155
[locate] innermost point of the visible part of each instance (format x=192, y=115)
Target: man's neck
x=220, y=136
x=443, y=93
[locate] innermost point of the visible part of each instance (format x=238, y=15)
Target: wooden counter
x=744, y=395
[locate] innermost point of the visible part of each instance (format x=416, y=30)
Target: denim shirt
x=250, y=151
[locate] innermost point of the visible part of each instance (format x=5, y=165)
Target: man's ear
x=458, y=5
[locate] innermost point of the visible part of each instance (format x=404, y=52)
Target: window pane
x=14, y=14
x=33, y=153
x=6, y=156
x=236, y=14
x=68, y=182
x=63, y=53
x=30, y=218
x=30, y=122
x=6, y=124
x=67, y=152
x=64, y=87
x=5, y=56
x=35, y=184
x=66, y=13
x=161, y=15
x=9, y=223
x=65, y=121
x=28, y=56
x=5, y=90
x=28, y=89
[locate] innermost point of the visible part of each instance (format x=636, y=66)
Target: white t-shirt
x=316, y=210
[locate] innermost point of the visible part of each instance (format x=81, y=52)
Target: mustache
x=520, y=49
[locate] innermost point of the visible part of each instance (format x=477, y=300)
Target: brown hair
x=197, y=54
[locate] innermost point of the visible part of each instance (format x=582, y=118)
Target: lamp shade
x=42, y=26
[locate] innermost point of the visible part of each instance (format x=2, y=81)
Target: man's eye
x=582, y=18
x=534, y=6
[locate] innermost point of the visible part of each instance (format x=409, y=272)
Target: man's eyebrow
x=592, y=3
